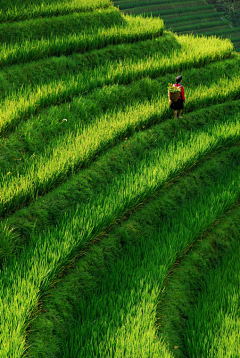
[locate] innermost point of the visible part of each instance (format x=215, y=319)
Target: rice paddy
x=198, y=17
x=102, y=190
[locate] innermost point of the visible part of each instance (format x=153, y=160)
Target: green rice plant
x=135, y=28
x=18, y=3
x=213, y=328
x=190, y=17
x=59, y=26
x=23, y=105
x=41, y=131
x=74, y=150
x=26, y=277
x=197, y=26
x=43, y=171
x=226, y=32
x=44, y=71
x=152, y=238
x=133, y=4
x=15, y=12
x=49, y=209
x=131, y=298
x=35, y=267
x=166, y=6
x=179, y=10
x=187, y=283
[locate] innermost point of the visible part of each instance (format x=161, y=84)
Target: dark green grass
x=177, y=14
x=22, y=3
x=16, y=3
x=188, y=278
x=37, y=29
x=206, y=24
x=135, y=4
x=188, y=15
x=167, y=6
x=180, y=11
x=180, y=20
x=10, y=12
x=61, y=306
x=212, y=329
x=224, y=31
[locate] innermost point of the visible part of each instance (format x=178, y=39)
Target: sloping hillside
x=197, y=17
x=102, y=190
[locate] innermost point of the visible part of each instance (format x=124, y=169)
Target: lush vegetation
x=208, y=17
x=230, y=7
x=220, y=305
x=102, y=191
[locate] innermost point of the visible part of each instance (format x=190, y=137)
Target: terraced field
x=106, y=201
x=189, y=16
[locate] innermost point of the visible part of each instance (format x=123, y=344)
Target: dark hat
x=178, y=79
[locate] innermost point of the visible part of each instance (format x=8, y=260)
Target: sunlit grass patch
x=18, y=10
x=25, y=103
x=92, y=38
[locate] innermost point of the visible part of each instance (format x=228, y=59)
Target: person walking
x=178, y=105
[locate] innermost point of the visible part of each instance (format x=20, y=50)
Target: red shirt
x=182, y=90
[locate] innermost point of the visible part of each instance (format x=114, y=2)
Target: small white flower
x=64, y=120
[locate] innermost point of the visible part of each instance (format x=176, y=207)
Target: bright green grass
x=214, y=327
x=60, y=305
x=44, y=71
x=178, y=312
x=18, y=3
x=13, y=11
x=93, y=38
x=26, y=277
x=50, y=251
x=118, y=318
x=17, y=229
x=60, y=26
x=40, y=133
x=25, y=103
x=76, y=149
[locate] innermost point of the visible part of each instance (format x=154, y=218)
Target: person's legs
x=179, y=114
x=175, y=114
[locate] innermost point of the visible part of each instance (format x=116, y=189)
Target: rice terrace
x=120, y=223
